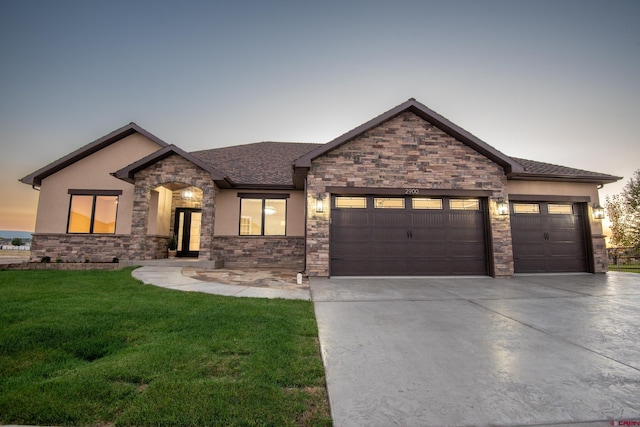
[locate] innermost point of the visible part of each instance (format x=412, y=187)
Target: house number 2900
x=411, y=191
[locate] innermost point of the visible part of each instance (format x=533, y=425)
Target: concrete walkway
x=172, y=278
x=540, y=350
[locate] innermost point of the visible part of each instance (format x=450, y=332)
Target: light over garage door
x=377, y=235
x=549, y=237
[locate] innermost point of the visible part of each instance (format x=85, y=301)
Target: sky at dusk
x=554, y=81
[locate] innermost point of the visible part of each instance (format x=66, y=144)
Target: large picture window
x=263, y=217
x=93, y=213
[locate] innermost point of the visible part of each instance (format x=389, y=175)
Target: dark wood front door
x=549, y=237
x=187, y=228
x=433, y=237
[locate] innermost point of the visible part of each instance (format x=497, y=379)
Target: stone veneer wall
x=260, y=251
x=173, y=169
x=600, y=255
x=95, y=247
x=81, y=247
x=405, y=152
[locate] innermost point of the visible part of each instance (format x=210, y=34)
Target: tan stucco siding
x=160, y=212
x=92, y=173
x=553, y=188
x=228, y=211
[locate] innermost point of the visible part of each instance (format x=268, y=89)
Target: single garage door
x=549, y=237
x=375, y=235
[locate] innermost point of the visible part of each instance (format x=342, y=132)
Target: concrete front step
x=175, y=262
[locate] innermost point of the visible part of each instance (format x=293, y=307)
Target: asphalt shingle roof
x=533, y=167
x=270, y=163
x=260, y=163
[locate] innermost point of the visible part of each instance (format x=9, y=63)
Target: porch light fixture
x=269, y=210
x=502, y=206
x=187, y=194
x=598, y=212
x=319, y=204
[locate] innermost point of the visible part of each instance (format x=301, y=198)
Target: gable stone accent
x=405, y=152
x=172, y=169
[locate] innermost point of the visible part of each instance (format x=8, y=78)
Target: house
x=407, y=193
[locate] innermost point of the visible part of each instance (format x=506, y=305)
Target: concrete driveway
x=532, y=350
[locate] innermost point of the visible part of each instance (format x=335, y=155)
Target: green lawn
x=629, y=268
x=99, y=348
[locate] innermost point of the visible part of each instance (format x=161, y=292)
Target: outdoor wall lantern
x=598, y=212
x=319, y=204
x=503, y=207
x=187, y=194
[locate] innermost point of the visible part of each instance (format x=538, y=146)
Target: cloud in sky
x=547, y=80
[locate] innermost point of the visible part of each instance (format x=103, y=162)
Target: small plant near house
x=115, y=260
x=45, y=259
x=16, y=241
x=59, y=259
x=172, y=245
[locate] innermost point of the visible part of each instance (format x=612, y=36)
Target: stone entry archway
x=170, y=183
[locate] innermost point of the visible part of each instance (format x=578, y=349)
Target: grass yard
x=629, y=268
x=99, y=348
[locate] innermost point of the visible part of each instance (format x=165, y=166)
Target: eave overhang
x=588, y=179
x=35, y=178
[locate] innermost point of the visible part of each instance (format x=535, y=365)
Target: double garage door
x=403, y=236
x=373, y=235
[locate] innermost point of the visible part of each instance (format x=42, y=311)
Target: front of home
x=407, y=193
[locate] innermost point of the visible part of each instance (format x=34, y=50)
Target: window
x=389, y=203
x=92, y=213
x=351, y=202
x=263, y=217
x=420, y=203
x=560, y=209
x=526, y=208
x=464, y=204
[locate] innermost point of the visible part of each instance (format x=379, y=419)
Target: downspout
x=306, y=202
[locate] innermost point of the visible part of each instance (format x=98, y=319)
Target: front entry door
x=187, y=228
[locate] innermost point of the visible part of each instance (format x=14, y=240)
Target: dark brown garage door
x=548, y=237
x=373, y=235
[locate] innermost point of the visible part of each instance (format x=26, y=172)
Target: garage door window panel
x=422, y=203
x=346, y=202
x=465, y=204
x=555, y=209
x=526, y=208
x=388, y=203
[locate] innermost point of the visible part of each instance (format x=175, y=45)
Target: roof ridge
x=260, y=142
